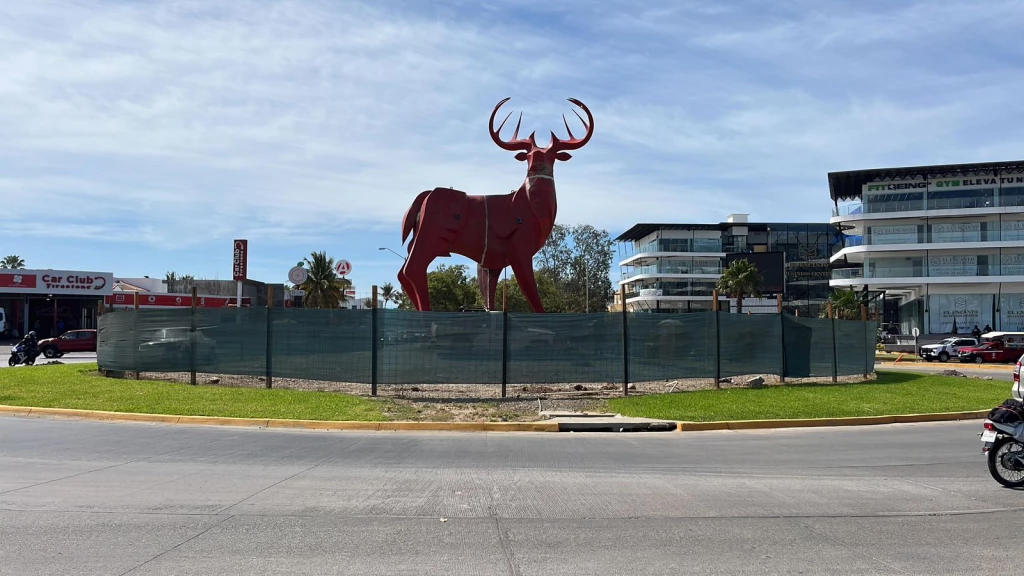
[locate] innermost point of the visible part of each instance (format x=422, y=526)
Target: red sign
x=17, y=280
x=343, y=267
x=240, y=267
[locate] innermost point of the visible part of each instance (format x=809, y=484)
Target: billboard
x=771, y=265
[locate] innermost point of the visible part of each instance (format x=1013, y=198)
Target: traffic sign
x=297, y=275
x=343, y=267
x=916, y=332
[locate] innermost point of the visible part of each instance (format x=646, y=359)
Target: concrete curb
x=282, y=423
x=820, y=422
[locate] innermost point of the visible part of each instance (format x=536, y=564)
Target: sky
x=140, y=137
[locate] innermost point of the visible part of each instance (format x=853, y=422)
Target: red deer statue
x=494, y=231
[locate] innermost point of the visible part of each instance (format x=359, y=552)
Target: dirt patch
x=483, y=402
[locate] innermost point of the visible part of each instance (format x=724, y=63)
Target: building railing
x=868, y=207
x=924, y=270
x=932, y=237
x=673, y=269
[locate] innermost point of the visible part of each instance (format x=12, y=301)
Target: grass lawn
x=79, y=386
x=891, y=393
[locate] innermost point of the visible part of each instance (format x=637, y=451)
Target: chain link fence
x=381, y=348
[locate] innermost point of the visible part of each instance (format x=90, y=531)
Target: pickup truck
x=946, y=349
x=992, y=351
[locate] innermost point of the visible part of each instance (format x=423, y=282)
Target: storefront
x=51, y=302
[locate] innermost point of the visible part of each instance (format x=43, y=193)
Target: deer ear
x=522, y=156
x=563, y=156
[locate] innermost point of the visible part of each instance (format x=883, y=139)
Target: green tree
x=578, y=260
x=324, y=288
x=453, y=289
x=179, y=284
x=550, y=295
x=12, y=262
x=741, y=279
x=845, y=305
x=387, y=293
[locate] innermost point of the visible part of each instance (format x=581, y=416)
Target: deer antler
x=516, y=143
x=574, y=143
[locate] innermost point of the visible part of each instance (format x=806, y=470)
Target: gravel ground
x=483, y=402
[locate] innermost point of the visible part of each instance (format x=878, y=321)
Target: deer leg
x=492, y=286
x=483, y=280
x=523, y=269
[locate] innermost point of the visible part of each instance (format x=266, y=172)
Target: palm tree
x=845, y=305
x=741, y=279
x=12, y=261
x=387, y=293
x=324, y=288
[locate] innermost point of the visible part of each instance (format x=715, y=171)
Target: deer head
x=541, y=160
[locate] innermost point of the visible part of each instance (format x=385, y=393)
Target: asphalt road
x=996, y=372
x=72, y=358
x=113, y=498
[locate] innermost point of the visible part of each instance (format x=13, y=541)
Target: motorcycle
x=20, y=355
x=1003, y=442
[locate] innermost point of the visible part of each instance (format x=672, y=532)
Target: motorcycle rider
x=31, y=343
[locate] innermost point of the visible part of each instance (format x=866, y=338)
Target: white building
x=945, y=244
x=675, y=267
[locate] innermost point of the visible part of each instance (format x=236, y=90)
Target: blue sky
x=141, y=137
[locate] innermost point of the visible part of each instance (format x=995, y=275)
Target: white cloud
x=198, y=121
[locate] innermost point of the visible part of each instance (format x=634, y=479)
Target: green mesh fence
x=479, y=347
x=749, y=344
x=438, y=347
x=564, y=348
x=810, y=352
x=671, y=346
x=309, y=344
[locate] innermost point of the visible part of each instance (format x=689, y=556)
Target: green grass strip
x=79, y=386
x=892, y=393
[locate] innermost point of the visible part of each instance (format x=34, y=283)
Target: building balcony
x=921, y=205
x=664, y=268
x=941, y=271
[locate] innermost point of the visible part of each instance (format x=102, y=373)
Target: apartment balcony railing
x=670, y=269
x=930, y=204
x=931, y=237
x=926, y=271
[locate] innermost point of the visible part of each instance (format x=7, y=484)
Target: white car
x=946, y=349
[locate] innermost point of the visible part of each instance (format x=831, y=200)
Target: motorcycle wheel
x=11, y=361
x=1001, y=463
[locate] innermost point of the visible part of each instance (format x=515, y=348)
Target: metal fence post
x=625, y=342
x=373, y=347
x=192, y=337
x=718, y=341
x=135, y=336
x=835, y=349
x=270, y=332
x=782, y=337
x=504, y=352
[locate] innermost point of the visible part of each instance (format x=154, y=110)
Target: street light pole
x=586, y=283
x=392, y=251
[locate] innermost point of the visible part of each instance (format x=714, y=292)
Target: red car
x=71, y=341
x=991, y=351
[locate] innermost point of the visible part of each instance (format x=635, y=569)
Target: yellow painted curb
x=951, y=365
x=282, y=423
x=822, y=422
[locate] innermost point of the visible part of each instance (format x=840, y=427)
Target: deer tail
x=412, y=215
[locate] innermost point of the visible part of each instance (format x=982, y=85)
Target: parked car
x=946, y=349
x=991, y=351
x=72, y=341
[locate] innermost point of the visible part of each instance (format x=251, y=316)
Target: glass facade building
x=672, y=268
x=944, y=244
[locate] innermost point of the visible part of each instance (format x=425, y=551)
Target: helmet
x=32, y=333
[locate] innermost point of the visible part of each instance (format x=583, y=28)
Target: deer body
x=494, y=231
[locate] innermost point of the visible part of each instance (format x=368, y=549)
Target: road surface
x=87, y=497
x=72, y=358
x=996, y=372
